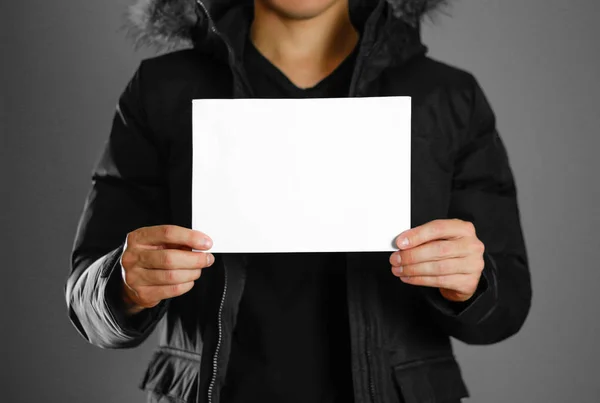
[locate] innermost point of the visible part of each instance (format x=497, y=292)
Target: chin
x=299, y=9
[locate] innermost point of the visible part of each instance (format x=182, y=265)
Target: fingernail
x=206, y=243
x=209, y=259
x=404, y=242
x=398, y=258
x=397, y=270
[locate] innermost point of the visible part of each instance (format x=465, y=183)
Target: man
x=305, y=327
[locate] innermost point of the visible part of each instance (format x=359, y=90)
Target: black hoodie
x=399, y=334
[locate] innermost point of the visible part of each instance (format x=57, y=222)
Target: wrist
x=130, y=307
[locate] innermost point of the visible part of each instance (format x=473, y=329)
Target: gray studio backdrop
x=63, y=65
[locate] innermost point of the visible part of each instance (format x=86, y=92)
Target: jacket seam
x=180, y=353
x=423, y=361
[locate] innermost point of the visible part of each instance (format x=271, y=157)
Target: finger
x=172, y=234
x=462, y=283
x=160, y=292
x=433, y=230
x=433, y=250
x=443, y=267
x=174, y=259
x=169, y=277
x=173, y=246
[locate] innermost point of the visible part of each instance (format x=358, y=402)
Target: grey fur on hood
x=168, y=24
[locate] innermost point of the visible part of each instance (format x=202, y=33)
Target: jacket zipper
x=223, y=296
x=369, y=362
x=219, y=339
x=222, y=303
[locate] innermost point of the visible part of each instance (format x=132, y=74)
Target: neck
x=306, y=50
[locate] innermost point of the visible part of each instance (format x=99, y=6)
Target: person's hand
x=158, y=263
x=443, y=253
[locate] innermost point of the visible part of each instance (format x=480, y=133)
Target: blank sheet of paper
x=301, y=175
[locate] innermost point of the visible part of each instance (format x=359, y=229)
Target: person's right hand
x=158, y=263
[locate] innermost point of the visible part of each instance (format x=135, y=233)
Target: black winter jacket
x=401, y=350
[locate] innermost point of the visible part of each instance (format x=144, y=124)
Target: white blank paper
x=301, y=175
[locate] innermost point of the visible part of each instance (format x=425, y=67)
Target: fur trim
x=168, y=24
x=413, y=10
x=163, y=24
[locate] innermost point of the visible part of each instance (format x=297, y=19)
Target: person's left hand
x=443, y=253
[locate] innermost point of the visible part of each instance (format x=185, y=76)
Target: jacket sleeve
x=128, y=191
x=484, y=192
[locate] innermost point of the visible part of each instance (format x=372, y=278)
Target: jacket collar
x=173, y=24
x=390, y=30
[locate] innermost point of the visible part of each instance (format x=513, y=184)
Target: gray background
x=63, y=64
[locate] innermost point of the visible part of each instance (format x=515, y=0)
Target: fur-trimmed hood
x=170, y=23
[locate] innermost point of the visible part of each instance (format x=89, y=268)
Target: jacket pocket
x=432, y=380
x=172, y=375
